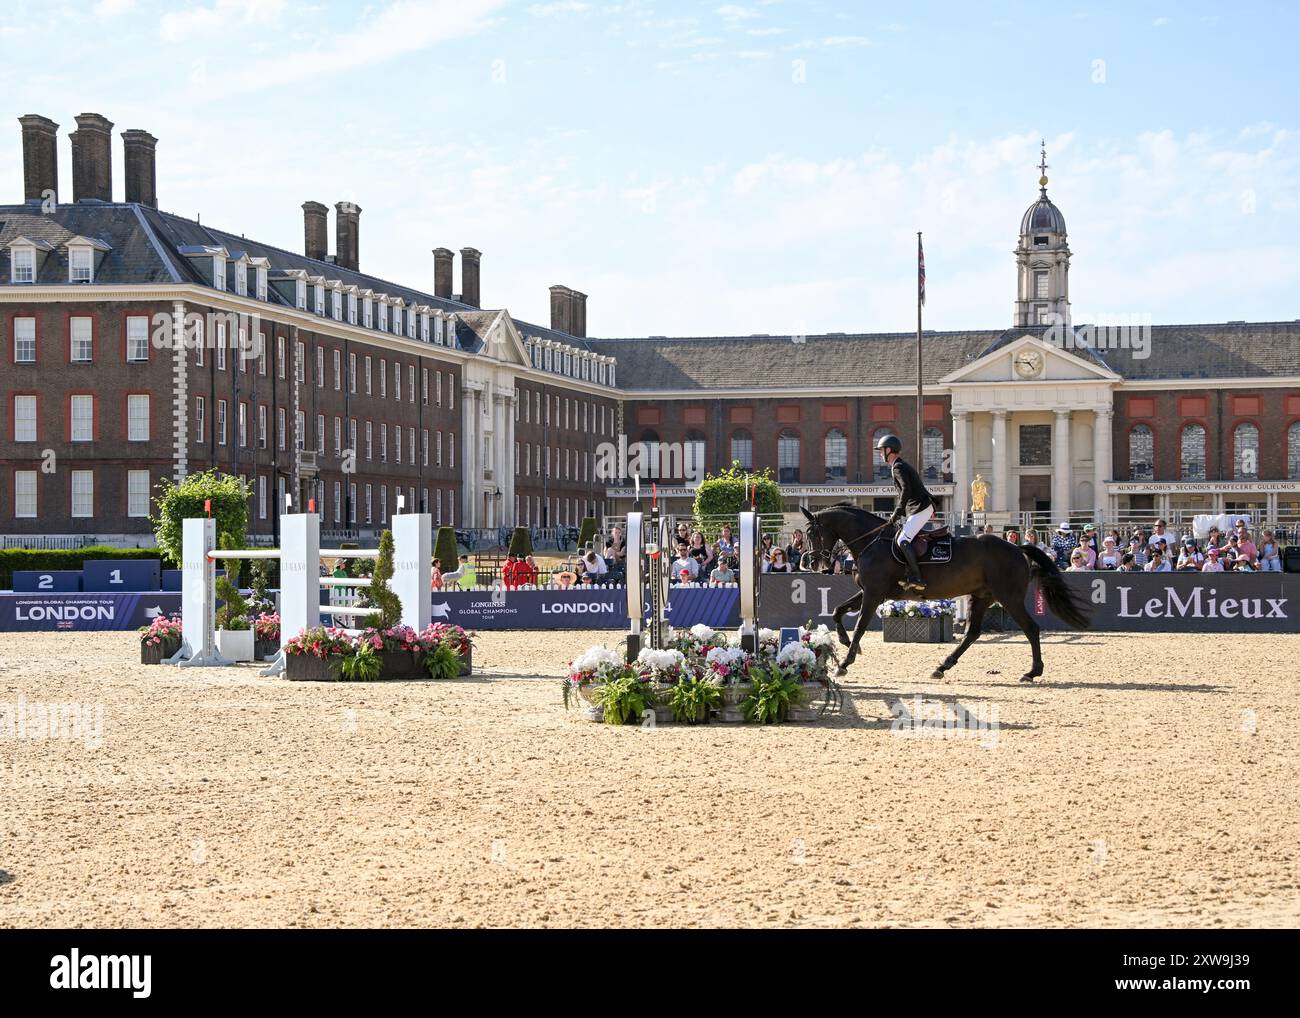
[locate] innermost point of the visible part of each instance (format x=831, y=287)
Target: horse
x=987, y=568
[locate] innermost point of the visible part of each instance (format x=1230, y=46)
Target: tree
x=726, y=494
x=445, y=551
x=586, y=532
x=229, y=496
x=521, y=543
x=388, y=603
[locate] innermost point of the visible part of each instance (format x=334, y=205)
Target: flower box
x=154, y=654
x=264, y=650
x=235, y=644
x=402, y=664
x=467, y=662
x=917, y=630
x=310, y=668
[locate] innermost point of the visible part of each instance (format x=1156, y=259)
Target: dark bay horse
x=986, y=567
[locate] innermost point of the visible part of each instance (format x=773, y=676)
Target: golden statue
x=979, y=493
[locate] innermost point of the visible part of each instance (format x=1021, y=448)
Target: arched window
x=742, y=448
x=693, y=455
x=881, y=472
x=787, y=457
x=932, y=453
x=837, y=456
x=1293, y=452
x=1193, y=453
x=1141, y=454
x=649, y=456
x=1245, y=452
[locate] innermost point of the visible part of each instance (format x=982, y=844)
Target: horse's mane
x=863, y=514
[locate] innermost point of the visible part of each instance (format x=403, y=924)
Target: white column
x=508, y=458
x=961, y=462
x=1062, y=466
x=1001, y=499
x=470, y=446
x=1101, y=459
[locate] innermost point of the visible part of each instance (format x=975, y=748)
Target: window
x=320, y=434
x=137, y=339
x=451, y=391
x=320, y=367
x=424, y=446
x=437, y=449
x=451, y=450
x=383, y=443
x=25, y=494
x=336, y=305
x=370, y=436
x=83, y=418
x=338, y=502
x=299, y=361
x=221, y=346
x=279, y=355
x=1035, y=445
x=221, y=422
x=882, y=473
x=261, y=425
x=383, y=378
x=1293, y=452
x=352, y=373
x=24, y=418
x=932, y=454
x=1042, y=315
x=397, y=381
x=410, y=386
x=424, y=337
x=81, y=338
x=787, y=457
x=300, y=430
x=383, y=317
x=338, y=370
x=24, y=265
x=352, y=437
x=320, y=299
x=137, y=418
x=25, y=340
x=243, y=425
x=352, y=309
x=397, y=443
x=424, y=386
x=199, y=430
x=1193, y=453
x=280, y=425
x=137, y=493
x=261, y=283
x=369, y=507
x=437, y=380
x=352, y=502
x=219, y=272
x=241, y=279
x=1040, y=284
x=837, y=456
x=81, y=265
x=261, y=496
x=1141, y=454
x=368, y=388
x=300, y=294
x=368, y=318
x=383, y=503
x=338, y=436
x=1245, y=452
x=83, y=493
x=410, y=438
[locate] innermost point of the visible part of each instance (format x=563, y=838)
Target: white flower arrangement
x=697, y=640
x=703, y=633
x=726, y=665
x=917, y=609
x=797, y=662
x=663, y=666
x=819, y=637
x=595, y=664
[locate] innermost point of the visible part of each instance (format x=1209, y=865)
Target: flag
x=920, y=271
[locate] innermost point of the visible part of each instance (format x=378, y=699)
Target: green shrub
x=388, y=603
x=624, y=699
x=521, y=542
x=445, y=551
x=442, y=662
x=233, y=613
x=692, y=699
x=48, y=560
x=586, y=532
x=179, y=502
x=362, y=665
x=723, y=494
x=772, y=697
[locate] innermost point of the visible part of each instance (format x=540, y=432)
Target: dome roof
x=1043, y=215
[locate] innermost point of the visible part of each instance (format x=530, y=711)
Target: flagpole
x=920, y=300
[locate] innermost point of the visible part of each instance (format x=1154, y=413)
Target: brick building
x=142, y=345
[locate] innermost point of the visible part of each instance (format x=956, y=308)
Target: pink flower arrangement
x=163, y=629
x=266, y=627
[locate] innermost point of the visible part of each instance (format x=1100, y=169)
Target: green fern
x=691, y=700
x=442, y=662
x=772, y=696
x=624, y=699
x=362, y=666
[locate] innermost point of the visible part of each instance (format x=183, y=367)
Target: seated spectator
x=615, y=548
x=796, y=550
x=684, y=568
x=1128, y=564
x=988, y=529
x=594, y=566
x=435, y=574
x=722, y=573
x=1031, y=537
x=701, y=552
x=1110, y=556
x=1189, y=559
x=1089, y=542
x=1245, y=546
x=765, y=548
x=1064, y=542
x=683, y=534
x=726, y=543
x=1013, y=537
x=565, y=579
x=1215, y=539
x=1212, y=563
x=779, y=563
x=1243, y=565
x=1137, y=547
x=1270, y=553
x=1158, y=563
x=588, y=580
x=1139, y=535
x=1078, y=561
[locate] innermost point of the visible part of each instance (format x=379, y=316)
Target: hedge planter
x=154, y=654
x=399, y=665
x=264, y=650
x=918, y=630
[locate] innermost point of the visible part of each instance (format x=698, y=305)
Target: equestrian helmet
x=890, y=442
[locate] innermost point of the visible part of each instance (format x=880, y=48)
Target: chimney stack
x=40, y=157
x=315, y=230
x=469, y=276
x=347, y=227
x=92, y=158
x=579, y=315
x=442, y=261
x=141, y=174
x=562, y=309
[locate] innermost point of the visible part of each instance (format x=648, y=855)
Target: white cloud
x=734, y=12
x=846, y=40
x=223, y=16
x=106, y=10
x=558, y=9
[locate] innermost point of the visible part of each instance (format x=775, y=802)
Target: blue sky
x=715, y=168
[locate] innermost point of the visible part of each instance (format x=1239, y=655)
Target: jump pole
x=750, y=542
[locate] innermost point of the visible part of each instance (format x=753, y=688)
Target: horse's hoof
x=841, y=671
x=1026, y=678
x=937, y=673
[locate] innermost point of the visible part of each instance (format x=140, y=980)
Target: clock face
x=1029, y=363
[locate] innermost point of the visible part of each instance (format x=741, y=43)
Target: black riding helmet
x=891, y=442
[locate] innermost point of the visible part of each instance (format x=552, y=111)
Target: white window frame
x=20, y=327
x=81, y=264
x=219, y=272
x=137, y=427
x=26, y=427
x=73, y=339
x=139, y=322
x=221, y=422
x=22, y=268
x=82, y=488
x=134, y=478
x=81, y=425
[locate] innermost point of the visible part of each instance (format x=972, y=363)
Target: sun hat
x=1064, y=528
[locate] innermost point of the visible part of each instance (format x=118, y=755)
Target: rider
x=915, y=506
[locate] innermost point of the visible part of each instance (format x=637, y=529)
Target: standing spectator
x=615, y=548
x=435, y=576
x=1270, y=554
x=465, y=576
x=1212, y=563
x=508, y=579
x=1158, y=534
x=726, y=543
x=527, y=573
x=1064, y=542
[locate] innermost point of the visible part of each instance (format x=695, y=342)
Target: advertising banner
x=82, y=612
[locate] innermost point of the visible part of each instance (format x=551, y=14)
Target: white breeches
x=913, y=524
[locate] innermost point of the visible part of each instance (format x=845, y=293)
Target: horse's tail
x=1065, y=604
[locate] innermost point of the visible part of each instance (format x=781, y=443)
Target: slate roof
x=135, y=255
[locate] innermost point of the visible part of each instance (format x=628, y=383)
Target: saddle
x=933, y=545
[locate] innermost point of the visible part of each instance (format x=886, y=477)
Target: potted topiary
x=160, y=639
x=235, y=639
x=445, y=551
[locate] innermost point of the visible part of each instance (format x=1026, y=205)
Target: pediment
x=1058, y=364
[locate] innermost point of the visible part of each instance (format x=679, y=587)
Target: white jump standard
x=300, y=555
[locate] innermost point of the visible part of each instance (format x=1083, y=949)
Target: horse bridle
x=829, y=555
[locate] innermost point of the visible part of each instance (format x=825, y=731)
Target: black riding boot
x=913, y=579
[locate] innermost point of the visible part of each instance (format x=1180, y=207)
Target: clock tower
x=1042, y=261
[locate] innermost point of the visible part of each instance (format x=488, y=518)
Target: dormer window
x=548, y=358
x=611, y=374
x=301, y=295
x=81, y=265
x=336, y=305
x=241, y=278
x=383, y=317
x=368, y=316
x=261, y=282
x=424, y=326
x=320, y=300
x=22, y=265
x=352, y=309
x=410, y=323
x=219, y=272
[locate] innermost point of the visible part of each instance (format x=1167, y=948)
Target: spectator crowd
x=1158, y=551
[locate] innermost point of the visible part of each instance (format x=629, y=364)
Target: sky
x=714, y=169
